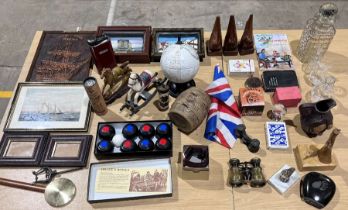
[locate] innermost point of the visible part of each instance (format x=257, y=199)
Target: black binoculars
x=246, y=172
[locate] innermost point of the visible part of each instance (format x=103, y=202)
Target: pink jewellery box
x=288, y=96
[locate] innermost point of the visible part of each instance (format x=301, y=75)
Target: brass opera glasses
x=311, y=157
x=246, y=172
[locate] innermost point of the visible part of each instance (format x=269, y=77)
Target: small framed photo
x=22, y=149
x=130, y=43
x=67, y=151
x=163, y=37
x=49, y=107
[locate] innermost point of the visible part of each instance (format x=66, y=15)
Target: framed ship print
x=163, y=37
x=130, y=43
x=49, y=107
x=61, y=56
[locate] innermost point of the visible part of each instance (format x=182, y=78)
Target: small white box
x=283, y=187
x=241, y=67
x=276, y=135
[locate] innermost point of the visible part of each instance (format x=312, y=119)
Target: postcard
x=241, y=66
x=273, y=52
x=131, y=180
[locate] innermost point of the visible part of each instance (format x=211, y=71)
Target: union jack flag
x=224, y=115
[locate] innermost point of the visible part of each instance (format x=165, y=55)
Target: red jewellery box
x=288, y=96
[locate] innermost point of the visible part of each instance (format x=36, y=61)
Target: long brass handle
x=22, y=185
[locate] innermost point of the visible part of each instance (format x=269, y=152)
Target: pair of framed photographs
x=138, y=44
x=42, y=149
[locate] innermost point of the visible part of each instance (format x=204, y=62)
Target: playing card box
x=276, y=135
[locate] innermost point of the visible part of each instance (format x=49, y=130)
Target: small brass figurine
x=246, y=43
x=325, y=152
x=231, y=41
x=115, y=82
x=317, y=157
x=285, y=174
x=214, y=44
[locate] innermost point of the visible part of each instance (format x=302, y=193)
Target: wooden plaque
x=61, y=56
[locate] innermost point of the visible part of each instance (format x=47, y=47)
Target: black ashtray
x=132, y=139
x=195, y=158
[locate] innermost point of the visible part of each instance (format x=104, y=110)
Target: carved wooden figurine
x=142, y=86
x=214, y=44
x=246, y=43
x=231, y=41
x=115, y=81
x=317, y=157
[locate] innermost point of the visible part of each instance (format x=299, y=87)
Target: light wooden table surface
x=213, y=193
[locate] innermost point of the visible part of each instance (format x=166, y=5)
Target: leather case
x=102, y=52
x=273, y=79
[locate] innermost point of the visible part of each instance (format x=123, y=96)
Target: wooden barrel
x=190, y=109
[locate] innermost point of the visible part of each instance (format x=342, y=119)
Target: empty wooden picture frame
x=22, y=149
x=67, y=151
x=130, y=43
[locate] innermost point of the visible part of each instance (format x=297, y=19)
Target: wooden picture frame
x=61, y=56
x=67, y=151
x=22, y=149
x=121, y=37
x=187, y=35
x=49, y=107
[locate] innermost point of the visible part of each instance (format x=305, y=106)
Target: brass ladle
x=59, y=192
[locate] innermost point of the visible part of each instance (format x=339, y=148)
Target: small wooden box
x=251, y=101
x=288, y=96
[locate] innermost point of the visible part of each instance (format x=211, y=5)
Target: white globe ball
x=180, y=63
